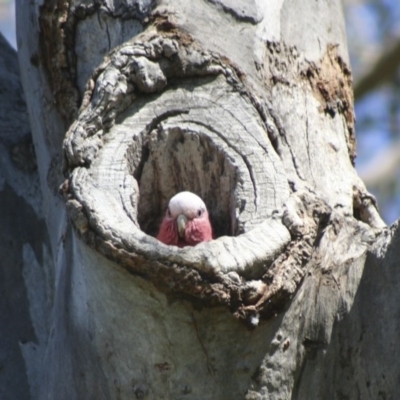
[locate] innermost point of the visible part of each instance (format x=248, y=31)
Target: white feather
x=186, y=203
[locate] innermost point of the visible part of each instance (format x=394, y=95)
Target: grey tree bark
x=248, y=104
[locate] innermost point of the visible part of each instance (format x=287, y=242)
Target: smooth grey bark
x=243, y=97
x=24, y=262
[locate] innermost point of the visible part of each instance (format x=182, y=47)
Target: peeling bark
x=252, y=112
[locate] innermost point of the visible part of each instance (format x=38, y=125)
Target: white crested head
x=188, y=204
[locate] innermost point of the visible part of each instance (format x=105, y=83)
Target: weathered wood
x=246, y=106
x=206, y=136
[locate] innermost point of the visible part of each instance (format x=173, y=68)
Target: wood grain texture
x=251, y=109
x=139, y=140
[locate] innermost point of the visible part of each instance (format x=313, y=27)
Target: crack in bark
x=210, y=368
x=308, y=143
x=107, y=31
x=282, y=134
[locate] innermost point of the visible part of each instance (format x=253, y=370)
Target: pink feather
x=198, y=227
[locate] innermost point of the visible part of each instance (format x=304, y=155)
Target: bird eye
x=199, y=212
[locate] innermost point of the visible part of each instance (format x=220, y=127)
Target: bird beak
x=181, y=222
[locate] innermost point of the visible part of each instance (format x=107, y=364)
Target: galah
x=186, y=221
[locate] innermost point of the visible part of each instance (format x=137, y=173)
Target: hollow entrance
x=173, y=159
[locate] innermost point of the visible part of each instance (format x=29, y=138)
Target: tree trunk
x=249, y=105
x=23, y=236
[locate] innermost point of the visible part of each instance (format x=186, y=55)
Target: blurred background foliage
x=7, y=20
x=373, y=35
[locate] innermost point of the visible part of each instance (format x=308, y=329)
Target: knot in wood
x=162, y=116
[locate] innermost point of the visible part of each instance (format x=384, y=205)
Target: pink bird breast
x=186, y=222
